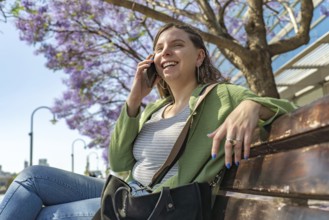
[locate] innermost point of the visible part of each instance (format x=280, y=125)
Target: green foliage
x=17, y=9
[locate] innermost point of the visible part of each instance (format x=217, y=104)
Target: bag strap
x=165, y=200
x=179, y=144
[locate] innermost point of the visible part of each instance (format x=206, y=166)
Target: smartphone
x=150, y=74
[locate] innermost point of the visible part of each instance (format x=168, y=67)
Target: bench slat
x=307, y=125
x=245, y=209
x=297, y=173
x=287, y=175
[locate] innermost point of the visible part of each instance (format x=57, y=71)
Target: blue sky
x=25, y=85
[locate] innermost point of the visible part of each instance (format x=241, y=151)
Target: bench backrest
x=287, y=174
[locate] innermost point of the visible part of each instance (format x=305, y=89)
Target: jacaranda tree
x=99, y=43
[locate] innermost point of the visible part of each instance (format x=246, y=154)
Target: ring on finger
x=233, y=141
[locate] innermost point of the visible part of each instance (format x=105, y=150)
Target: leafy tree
x=99, y=43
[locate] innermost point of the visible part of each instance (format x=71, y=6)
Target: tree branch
x=291, y=15
x=143, y=10
x=219, y=41
x=210, y=17
x=302, y=37
x=221, y=20
x=3, y=15
x=255, y=26
x=176, y=10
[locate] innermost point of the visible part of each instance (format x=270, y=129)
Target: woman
x=141, y=141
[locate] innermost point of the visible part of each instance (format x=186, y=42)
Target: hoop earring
x=198, y=74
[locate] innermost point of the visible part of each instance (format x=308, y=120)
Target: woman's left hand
x=238, y=128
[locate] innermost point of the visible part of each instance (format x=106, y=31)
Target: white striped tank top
x=154, y=143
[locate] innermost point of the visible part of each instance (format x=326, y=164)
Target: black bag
x=190, y=202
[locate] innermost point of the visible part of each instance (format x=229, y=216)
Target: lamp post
x=53, y=121
x=72, y=155
x=88, y=162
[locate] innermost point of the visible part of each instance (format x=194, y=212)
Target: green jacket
x=211, y=113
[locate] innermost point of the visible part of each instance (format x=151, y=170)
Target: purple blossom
x=43, y=9
x=27, y=4
x=324, y=9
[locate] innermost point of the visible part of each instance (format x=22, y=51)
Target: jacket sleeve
x=120, y=151
x=126, y=129
x=278, y=106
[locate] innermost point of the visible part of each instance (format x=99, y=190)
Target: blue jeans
x=41, y=192
x=137, y=189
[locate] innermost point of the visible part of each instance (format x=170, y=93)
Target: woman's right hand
x=139, y=88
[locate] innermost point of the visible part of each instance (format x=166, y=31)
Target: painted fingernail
x=246, y=157
x=213, y=156
x=237, y=163
x=228, y=165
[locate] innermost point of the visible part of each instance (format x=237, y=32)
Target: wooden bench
x=287, y=174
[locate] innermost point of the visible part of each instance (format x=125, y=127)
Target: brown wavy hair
x=207, y=72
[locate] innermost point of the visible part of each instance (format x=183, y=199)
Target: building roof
x=306, y=71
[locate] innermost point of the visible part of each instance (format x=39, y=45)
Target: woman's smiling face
x=175, y=56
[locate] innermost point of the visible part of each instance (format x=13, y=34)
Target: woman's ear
x=200, y=58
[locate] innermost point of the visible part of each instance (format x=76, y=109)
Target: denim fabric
x=41, y=192
x=137, y=189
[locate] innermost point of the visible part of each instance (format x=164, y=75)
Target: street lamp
x=72, y=155
x=53, y=121
x=88, y=162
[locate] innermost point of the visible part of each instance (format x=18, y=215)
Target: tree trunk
x=259, y=75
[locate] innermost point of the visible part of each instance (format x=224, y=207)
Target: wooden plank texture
x=300, y=173
x=307, y=125
x=226, y=208
x=287, y=174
